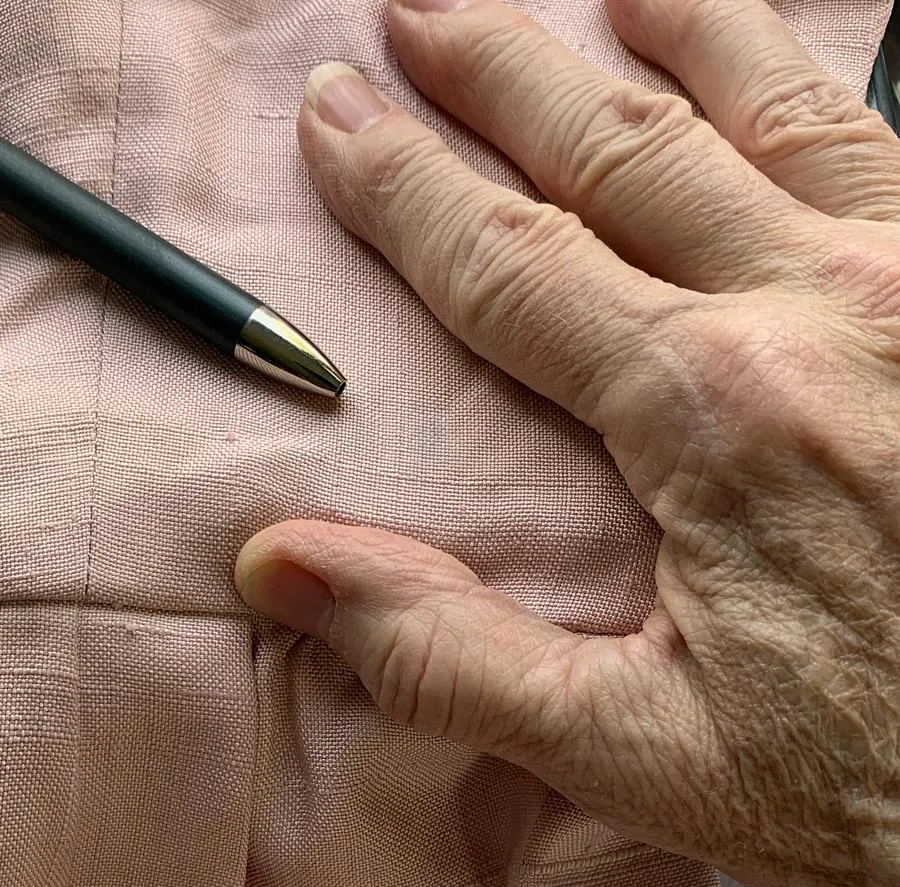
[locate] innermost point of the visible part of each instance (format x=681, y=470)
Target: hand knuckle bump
x=631, y=130
x=518, y=247
x=782, y=120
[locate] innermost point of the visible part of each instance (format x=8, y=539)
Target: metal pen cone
x=270, y=344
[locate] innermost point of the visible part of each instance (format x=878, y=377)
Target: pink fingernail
x=342, y=98
x=287, y=593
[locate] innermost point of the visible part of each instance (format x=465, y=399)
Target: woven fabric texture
x=152, y=731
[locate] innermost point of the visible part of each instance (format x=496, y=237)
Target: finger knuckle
x=519, y=248
x=862, y=281
x=865, y=278
x=782, y=119
x=632, y=129
x=409, y=669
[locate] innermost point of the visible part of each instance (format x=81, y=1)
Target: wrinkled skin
x=722, y=302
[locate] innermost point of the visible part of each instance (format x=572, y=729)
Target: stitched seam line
x=104, y=299
x=75, y=811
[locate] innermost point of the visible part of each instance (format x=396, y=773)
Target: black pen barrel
x=122, y=250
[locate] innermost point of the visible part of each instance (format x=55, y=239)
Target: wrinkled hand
x=722, y=302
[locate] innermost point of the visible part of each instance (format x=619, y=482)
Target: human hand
x=752, y=402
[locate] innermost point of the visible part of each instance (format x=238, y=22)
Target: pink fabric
x=151, y=731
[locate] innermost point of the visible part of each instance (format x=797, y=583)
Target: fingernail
x=343, y=99
x=289, y=594
x=435, y=5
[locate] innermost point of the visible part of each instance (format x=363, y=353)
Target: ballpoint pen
x=160, y=274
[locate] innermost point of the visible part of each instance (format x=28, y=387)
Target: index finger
x=514, y=279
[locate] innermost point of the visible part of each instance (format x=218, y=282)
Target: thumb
x=434, y=647
x=438, y=650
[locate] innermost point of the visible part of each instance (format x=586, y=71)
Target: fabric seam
x=104, y=300
x=92, y=510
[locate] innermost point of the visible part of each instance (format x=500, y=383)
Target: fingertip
x=286, y=592
x=275, y=574
x=306, y=125
x=623, y=15
x=251, y=555
x=322, y=158
x=412, y=38
x=322, y=75
x=353, y=561
x=297, y=541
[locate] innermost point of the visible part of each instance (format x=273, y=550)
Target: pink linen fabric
x=153, y=732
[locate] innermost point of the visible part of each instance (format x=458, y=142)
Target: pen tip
x=271, y=345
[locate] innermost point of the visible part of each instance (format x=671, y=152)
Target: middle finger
x=652, y=181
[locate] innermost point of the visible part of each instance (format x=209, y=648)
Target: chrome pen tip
x=271, y=345
x=325, y=380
